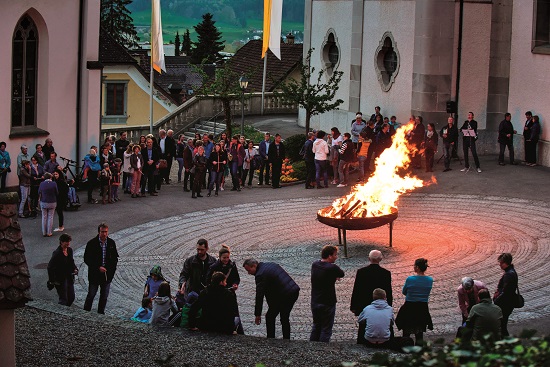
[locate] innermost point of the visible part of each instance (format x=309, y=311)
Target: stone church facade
x=414, y=56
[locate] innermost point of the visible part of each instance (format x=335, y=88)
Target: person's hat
x=467, y=283
x=23, y=146
x=156, y=270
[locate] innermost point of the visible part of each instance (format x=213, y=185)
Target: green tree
x=177, y=44
x=209, y=42
x=116, y=19
x=186, y=43
x=315, y=98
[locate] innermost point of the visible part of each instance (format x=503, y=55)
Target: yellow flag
x=273, y=18
x=157, y=46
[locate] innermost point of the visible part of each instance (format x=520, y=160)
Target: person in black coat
x=367, y=280
x=383, y=140
x=527, y=133
x=449, y=134
x=101, y=267
x=218, y=305
x=469, y=142
x=368, y=134
x=532, y=142
x=280, y=291
x=416, y=139
x=276, y=155
x=151, y=156
x=309, y=158
x=62, y=197
x=505, y=297
x=430, y=146
x=506, y=138
x=199, y=164
x=61, y=271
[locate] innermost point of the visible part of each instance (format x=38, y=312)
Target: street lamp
x=243, y=83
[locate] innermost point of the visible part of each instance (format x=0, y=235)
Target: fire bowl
x=356, y=224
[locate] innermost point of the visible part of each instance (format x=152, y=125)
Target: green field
x=230, y=32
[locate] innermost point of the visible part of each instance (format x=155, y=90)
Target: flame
x=379, y=195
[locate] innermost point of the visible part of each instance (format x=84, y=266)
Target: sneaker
x=478, y=170
x=465, y=169
x=334, y=182
x=501, y=164
x=59, y=229
x=221, y=188
x=341, y=185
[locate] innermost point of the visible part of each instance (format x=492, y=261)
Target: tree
x=116, y=19
x=186, y=44
x=209, y=42
x=314, y=98
x=177, y=44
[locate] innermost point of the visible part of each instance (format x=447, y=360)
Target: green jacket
x=484, y=318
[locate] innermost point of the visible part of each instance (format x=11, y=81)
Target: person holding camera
x=62, y=270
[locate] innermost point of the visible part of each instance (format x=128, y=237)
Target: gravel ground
x=78, y=338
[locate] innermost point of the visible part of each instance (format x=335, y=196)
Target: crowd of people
x=206, y=297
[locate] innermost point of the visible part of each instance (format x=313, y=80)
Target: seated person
x=143, y=314
x=162, y=305
x=191, y=298
x=484, y=318
x=218, y=305
x=153, y=282
x=379, y=324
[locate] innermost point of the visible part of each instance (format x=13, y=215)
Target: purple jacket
x=48, y=191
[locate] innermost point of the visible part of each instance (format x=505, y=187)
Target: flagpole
x=263, y=83
x=152, y=76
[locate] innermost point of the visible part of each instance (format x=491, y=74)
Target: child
x=162, y=304
x=191, y=298
x=153, y=282
x=143, y=314
x=115, y=182
x=106, y=177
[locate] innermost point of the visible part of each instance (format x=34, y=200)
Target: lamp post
x=243, y=83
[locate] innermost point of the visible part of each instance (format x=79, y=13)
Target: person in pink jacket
x=468, y=295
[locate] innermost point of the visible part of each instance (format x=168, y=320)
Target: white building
x=50, y=85
x=403, y=55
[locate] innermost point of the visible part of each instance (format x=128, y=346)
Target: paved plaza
x=459, y=224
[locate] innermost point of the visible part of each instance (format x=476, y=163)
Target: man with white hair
x=367, y=280
x=468, y=295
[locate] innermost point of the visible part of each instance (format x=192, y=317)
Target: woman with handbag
x=217, y=162
x=505, y=296
x=248, y=164
x=199, y=168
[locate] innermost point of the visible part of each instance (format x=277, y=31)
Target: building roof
x=248, y=60
x=15, y=282
x=111, y=52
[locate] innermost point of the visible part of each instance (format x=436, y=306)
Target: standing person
x=163, y=147
x=62, y=197
x=39, y=155
x=171, y=151
x=23, y=156
x=24, y=186
x=47, y=195
x=506, y=138
x=345, y=160
x=52, y=165
x=468, y=295
x=151, y=157
x=430, y=146
x=469, y=142
x=199, y=165
x=235, y=155
x=106, y=180
x=362, y=154
x=248, y=164
x=324, y=274
x=527, y=133
x=531, y=154
x=127, y=170
x=48, y=148
x=37, y=176
x=369, y=134
x=320, y=151
x=505, y=297
x=188, y=155
x=217, y=161
x=276, y=156
x=5, y=163
x=180, y=148
x=195, y=269
x=92, y=160
x=280, y=291
x=121, y=145
x=115, y=182
x=136, y=164
x=356, y=127
x=416, y=139
x=376, y=113
x=335, y=144
x=101, y=256
x=265, y=167
x=309, y=158
x=383, y=141
x=414, y=316
x=367, y=280
x=62, y=270
x=449, y=134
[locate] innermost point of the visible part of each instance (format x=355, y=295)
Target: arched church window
x=330, y=52
x=24, y=73
x=386, y=61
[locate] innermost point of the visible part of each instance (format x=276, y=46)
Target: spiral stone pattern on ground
x=460, y=235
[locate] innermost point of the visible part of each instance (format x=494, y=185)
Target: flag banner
x=273, y=18
x=157, y=45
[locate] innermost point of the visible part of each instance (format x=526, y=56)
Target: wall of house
x=57, y=74
x=529, y=78
x=137, y=98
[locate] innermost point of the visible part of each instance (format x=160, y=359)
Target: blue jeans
x=180, y=168
x=103, y=294
x=25, y=190
x=321, y=169
x=323, y=320
x=48, y=212
x=215, y=179
x=362, y=165
x=65, y=291
x=234, y=167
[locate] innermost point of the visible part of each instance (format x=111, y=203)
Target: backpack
x=303, y=151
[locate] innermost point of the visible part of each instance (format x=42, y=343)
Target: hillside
x=238, y=21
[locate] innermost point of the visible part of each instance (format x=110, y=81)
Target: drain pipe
x=459, y=55
x=79, y=82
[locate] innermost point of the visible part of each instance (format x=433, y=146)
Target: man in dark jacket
x=416, y=139
x=276, y=154
x=449, y=134
x=368, y=133
x=469, y=142
x=324, y=274
x=265, y=167
x=188, y=164
x=383, y=140
x=151, y=156
x=505, y=297
x=280, y=291
x=309, y=158
x=527, y=133
x=101, y=256
x=367, y=280
x=506, y=138
x=195, y=269
x=346, y=153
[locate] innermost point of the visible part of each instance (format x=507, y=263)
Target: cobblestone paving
x=460, y=235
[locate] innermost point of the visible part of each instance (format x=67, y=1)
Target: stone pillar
x=433, y=59
x=357, y=20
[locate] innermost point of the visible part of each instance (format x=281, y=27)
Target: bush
x=293, y=145
x=299, y=170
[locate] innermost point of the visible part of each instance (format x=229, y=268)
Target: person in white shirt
x=321, y=151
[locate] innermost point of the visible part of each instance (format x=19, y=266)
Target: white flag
x=157, y=46
x=273, y=18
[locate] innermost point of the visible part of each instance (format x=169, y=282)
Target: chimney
x=290, y=38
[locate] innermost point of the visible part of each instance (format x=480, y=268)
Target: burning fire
x=378, y=196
